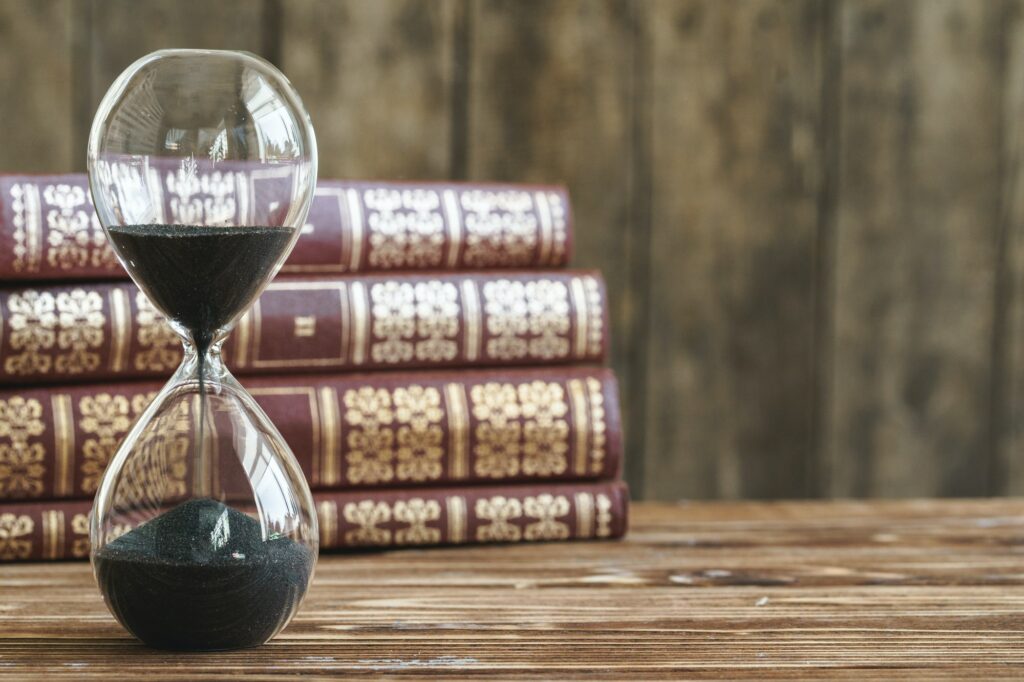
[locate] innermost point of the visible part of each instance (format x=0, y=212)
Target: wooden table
x=722, y=590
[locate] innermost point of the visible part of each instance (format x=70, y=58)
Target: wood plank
x=916, y=236
x=35, y=68
x=736, y=172
x=1008, y=474
x=552, y=99
x=125, y=30
x=377, y=80
x=915, y=590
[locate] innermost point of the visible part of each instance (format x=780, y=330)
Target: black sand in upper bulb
x=200, y=577
x=201, y=276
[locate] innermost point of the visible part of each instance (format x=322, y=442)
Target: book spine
x=49, y=229
x=110, y=331
x=427, y=429
x=384, y=518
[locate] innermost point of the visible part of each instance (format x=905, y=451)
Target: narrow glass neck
x=210, y=364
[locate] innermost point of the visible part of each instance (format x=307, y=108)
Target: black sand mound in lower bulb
x=202, y=578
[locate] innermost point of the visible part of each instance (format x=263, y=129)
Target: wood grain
x=916, y=233
x=35, y=69
x=915, y=590
x=735, y=108
x=377, y=79
x=552, y=99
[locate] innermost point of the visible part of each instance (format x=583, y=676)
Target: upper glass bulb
x=202, y=166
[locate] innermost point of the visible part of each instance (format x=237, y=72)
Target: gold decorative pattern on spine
x=53, y=534
x=64, y=444
x=360, y=310
x=456, y=519
x=366, y=515
x=28, y=227
x=578, y=397
x=451, y=209
x=346, y=322
x=356, y=223
x=595, y=331
x=104, y=419
x=598, y=427
x=328, y=513
x=561, y=234
x=547, y=509
x=579, y=304
x=473, y=321
x=15, y=536
x=545, y=227
x=22, y=463
x=458, y=431
x=418, y=514
x=32, y=320
x=584, y=515
x=604, y=516
x=120, y=314
x=500, y=512
x=330, y=422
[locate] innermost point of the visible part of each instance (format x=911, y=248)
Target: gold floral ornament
x=370, y=440
x=80, y=531
x=406, y=228
x=418, y=411
x=547, y=509
x=13, y=541
x=32, y=319
x=81, y=319
x=498, y=431
x=548, y=309
x=21, y=462
x=507, y=323
x=160, y=347
x=437, y=320
x=545, y=430
x=74, y=234
x=417, y=512
x=394, y=321
x=499, y=511
x=105, y=419
x=501, y=227
x=367, y=515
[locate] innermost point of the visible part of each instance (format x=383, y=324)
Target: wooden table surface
x=719, y=590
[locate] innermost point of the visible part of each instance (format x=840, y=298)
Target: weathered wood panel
x=124, y=30
x=736, y=98
x=916, y=235
x=914, y=590
x=552, y=98
x=377, y=78
x=35, y=69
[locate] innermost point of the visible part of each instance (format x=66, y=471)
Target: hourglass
x=202, y=166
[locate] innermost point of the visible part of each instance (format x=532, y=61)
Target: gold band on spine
x=330, y=466
x=33, y=227
x=456, y=519
x=604, y=516
x=458, y=430
x=257, y=329
x=356, y=222
x=120, y=314
x=328, y=513
x=346, y=321
x=242, y=336
x=544, y=213
x=579, y=304
x=360, y=308
x=472, y=319
x=578, y=396
x=451, y=210
x=63, y=444
x=584, y=515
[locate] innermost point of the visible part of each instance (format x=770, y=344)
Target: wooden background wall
x=809, y=213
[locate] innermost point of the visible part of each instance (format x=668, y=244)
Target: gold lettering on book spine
x=22, y=462
x=15, y=536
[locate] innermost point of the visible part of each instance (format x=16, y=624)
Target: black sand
x=201, y=577
x=201, y=276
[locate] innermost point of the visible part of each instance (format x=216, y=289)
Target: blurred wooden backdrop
x=809, y=213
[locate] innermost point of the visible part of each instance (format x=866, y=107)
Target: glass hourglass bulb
x=202, y=166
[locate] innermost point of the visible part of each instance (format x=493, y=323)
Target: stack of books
x=424, y=351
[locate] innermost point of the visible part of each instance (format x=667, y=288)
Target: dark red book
x=110, y=331
x=425, y=428
x=49, y=230
x=374, y=518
